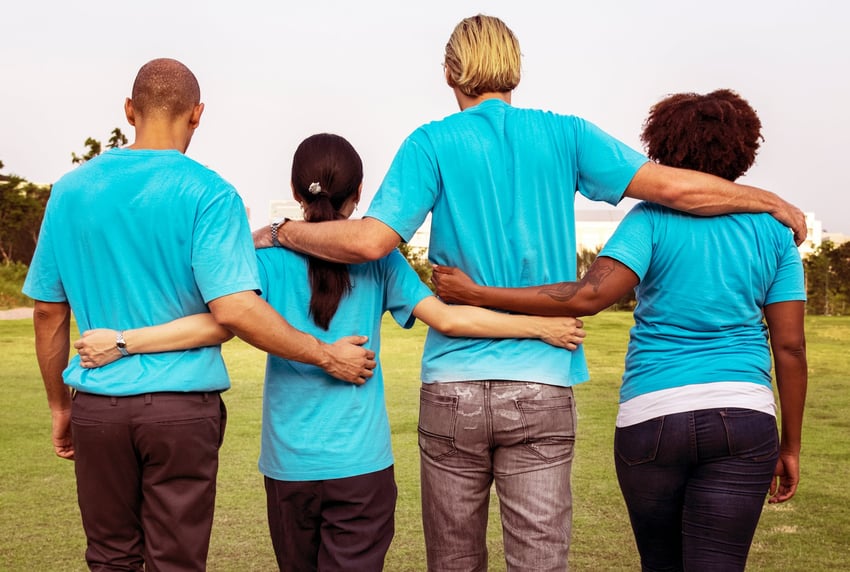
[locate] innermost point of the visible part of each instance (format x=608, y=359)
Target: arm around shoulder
x=707, y=195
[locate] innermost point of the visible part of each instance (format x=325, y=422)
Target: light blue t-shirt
x=500, y=183
x=316, y=427
x=136, y=238
x=704, y=283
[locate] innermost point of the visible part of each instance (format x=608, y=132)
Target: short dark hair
x=717, y=133
x=165, y=86
x=326, y=172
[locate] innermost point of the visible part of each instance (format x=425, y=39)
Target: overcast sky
x=272, y=73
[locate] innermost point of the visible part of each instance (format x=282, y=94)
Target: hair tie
x=315, y=188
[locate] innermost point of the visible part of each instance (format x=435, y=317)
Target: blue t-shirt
x=704, y=283
x=500, y=183
x=316, y=427
x=136, y=238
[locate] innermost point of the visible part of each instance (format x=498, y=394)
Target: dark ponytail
x=326, y=173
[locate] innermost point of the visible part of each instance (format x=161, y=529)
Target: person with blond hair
x=500, y=183
x=696, y=446
x=136, y=237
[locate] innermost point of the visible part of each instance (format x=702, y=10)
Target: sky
x=273, y=73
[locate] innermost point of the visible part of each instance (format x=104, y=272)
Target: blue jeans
x=518, y=434
x=694, y=484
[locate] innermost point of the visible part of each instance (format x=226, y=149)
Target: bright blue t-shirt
x=500, y=183
x=136, y=238
x=316, y=427
x=704, y=283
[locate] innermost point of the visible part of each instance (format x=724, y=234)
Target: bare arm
x=788, y=342
x=605, y=282
x=97, y=347
x=473, y=322
x=252, y=319
x=346, y=241
x=52, y=323
x=703, y=194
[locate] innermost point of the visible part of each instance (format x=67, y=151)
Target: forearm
x=198, y=330
x=253, y=320
x=472, y=322
x=791, y=381
x=52, y=324
x=605, y=282
x=706, y=195
x=698, y=193
x=345, y=241
x=785, y=322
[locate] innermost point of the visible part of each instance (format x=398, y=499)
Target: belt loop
x=113, y=401
x=206, y=396
x=148, y=399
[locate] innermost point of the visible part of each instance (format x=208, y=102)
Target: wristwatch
x=276, y=224
x=121, y=344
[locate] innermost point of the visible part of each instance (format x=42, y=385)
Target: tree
x=828, y=279
x=418, y=259
x=95, y=147
x=21, y=209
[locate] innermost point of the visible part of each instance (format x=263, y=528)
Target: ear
x=129, y=112
x=195, y=117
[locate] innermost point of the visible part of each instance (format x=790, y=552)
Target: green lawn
x=39, y=520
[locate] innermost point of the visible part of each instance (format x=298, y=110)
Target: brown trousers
x=146, y=478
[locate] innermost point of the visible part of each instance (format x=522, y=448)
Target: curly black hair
x=717, y=133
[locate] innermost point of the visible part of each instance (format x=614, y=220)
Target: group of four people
x=144, y=236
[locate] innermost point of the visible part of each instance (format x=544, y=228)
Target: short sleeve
x=789, y=283
x=631, y=243
x=606, y=165
x=408, y=191
x=43, y=281
x=404, y=289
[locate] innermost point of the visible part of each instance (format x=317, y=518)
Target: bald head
x=165, y=88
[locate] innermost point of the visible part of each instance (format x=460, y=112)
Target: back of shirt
x=500, y=182
x=136, y=238
x=704, y=283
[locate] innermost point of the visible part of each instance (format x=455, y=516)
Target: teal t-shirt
x=136, y=238
x=704, y=283
x=500, y=183
x=316, y=427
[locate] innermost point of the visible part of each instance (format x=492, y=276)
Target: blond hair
x=482, y=56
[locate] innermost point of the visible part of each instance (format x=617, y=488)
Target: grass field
x=39, y=519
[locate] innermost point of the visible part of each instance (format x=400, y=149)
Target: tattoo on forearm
x=565, y=291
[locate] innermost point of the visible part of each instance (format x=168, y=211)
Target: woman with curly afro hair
x=696, y=443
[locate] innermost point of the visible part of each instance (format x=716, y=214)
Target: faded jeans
x=695, y=484
x=521, y=435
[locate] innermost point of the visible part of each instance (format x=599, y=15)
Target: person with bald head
x=139, y=236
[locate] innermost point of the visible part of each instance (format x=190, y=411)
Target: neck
x=161, y=137
x=466, y=101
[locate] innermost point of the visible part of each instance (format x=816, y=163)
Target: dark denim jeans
x=695, y=484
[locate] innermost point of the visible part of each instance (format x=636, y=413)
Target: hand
x=263, y=237
x=786, y=477
x=562, y=332
x=349, y=360
x=97, y=348
x=792, y=217
x=61, y=434
x=452, y=284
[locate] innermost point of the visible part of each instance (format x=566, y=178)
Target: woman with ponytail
x=325, y=450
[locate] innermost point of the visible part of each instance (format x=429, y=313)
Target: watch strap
x=121, y=344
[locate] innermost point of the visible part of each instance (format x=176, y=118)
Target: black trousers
x=335, y=524
x=146, y=478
